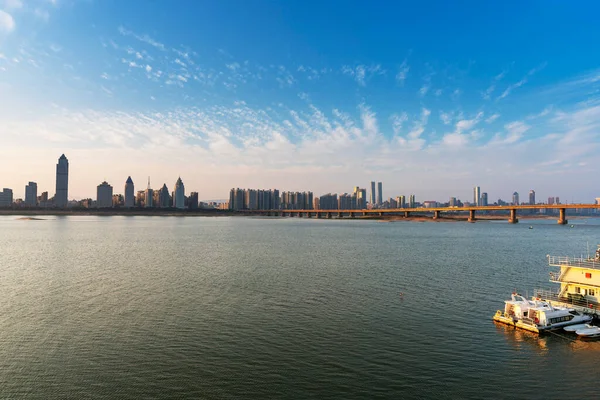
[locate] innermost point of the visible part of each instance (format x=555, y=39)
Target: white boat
x=589, y=332
x=573, y=328
x=537, y=316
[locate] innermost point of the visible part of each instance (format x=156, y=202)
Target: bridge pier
x=436, y=214
x=471, y=216
x=380, y=214
x=340, y=215
x=513, y=216
x=329, y=215
x=300, y=214
x=406, y=214
x=351, y=214
x=318, y=214
x=562, y=217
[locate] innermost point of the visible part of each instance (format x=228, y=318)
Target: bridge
x=434, y=211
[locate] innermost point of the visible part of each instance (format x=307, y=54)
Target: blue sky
x=431, y=98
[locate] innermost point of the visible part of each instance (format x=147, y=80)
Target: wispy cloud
x=523, y=81
x=492, y=118
x=362, y=73
x=402, y=73
x=12, y=4
x=142, y=38
x=398, y=121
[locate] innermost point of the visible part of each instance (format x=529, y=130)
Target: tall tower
x=515, y=199
x=532, y=197
x=477, y=196
x=379, y=193
x=149, y=196
x=31, y=194
x=61, y=198
x=179, y=194
x=129, y=193
x=372, y=193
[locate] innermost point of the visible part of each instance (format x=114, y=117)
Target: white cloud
x=492, y=118
x=419, y=125
x=510, y=88
x=402, y=73
x=446, y=117
x=362, y=73
x=397, y=121
x=142, y=38
x=7, y=23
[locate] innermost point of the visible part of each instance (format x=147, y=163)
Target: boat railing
x=583, y=306
x=555, y=276
x=580, y=262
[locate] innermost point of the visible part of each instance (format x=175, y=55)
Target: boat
x=536, y=315
x=530, y=227
x=589, y=332
x=573, y=328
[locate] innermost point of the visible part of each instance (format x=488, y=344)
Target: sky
x=431, y=98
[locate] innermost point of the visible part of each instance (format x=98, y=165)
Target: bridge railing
x=557, y=261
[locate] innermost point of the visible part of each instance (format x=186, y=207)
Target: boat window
x=577, y=289
x=591, y=292
x=573, y=312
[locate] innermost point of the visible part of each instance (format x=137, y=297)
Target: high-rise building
x=452, y=202
x=43, y=199
x=149, y=198
x=532, y=197
x=129, y=198
x=361, y=197
x=550, y=200
x=328, y=202
x=477, y=196
x=557, y=200
x=6, y=197
x=179, y=194
x=61, y=198
x=193, y=201
x=401, y=200
x=275, y=201
x=118, y=200
x=411, y=201
x=31, y=194
x=379, y=193
x=104, y=195
x=373, y=200
x=484, y=199
x=515, y=199
x=345, y=202
x=164, y=198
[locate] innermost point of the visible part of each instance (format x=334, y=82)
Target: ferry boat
x=537, y=315
x=579, y=280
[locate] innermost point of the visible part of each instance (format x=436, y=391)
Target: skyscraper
x=361, y=196
x=61, y=198
x=149, y=197
x=104, y=195
x=379, y=193
x=477, y=196
x=6, y=197
x=515, y=199
x=411, y=201
x=484, y=199
x=372, y=192
x=31, y=194
x=164, y=199
x=532, y=197
x=179, y=194
x=129, y=193
x=193, y=201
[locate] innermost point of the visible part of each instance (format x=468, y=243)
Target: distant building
x=43, y=199
x=484, y=199
x=411, y=201
x=401, y=200
x=328, y=202
x=430, y=204
x=193, y=201
x=392, y=203
x=346, y=202
x=149, y=198
x=477, y=196
x=557, y=200
x=104, y=195
x=179, y=194
x=61, y=198
x=140, y=198
x=452, y=202
x=129, y=198
x=118, y=200
x=515, y=199
x=550, y=201
x=379, y=193
x=361, y=196
x=532, y=197
x=31, y=194
x=164, y=198
x=6, y=197
x=373, y=195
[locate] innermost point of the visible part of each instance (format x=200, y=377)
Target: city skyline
x=422, y=105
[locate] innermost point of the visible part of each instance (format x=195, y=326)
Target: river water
x=260, y=308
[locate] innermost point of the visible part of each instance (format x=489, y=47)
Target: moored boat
x=573, y=328
x=589, y=332
x=537, y=316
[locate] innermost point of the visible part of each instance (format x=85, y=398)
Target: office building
x=477, y=196
x=118, y=200
x=193, y=201
x=129, y=198
x=361, y=196
x=401, y=201
x=411, y=201
x=484, y=199
x=532, y=197
x=104, y=195
x=6, y=197
x=550, y=201
x=31, y=194
x=379, y=193
x=373, y=199
x=515, y=199
x=179, y=194
x=346, y=202
x=452, y=202
x=328, y=202
x=61, y=198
